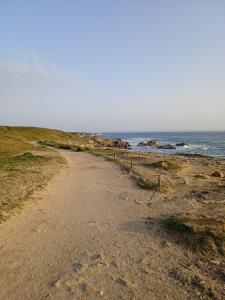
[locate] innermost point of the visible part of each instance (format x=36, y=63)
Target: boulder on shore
x=151, y=143
x=166, y=147
x=181, y=144
x=118, y=143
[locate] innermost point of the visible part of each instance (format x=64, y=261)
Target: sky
x=113, y=65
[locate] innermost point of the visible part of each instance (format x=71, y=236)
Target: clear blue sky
x=113, y=65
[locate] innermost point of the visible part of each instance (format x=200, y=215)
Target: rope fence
x=135, y=168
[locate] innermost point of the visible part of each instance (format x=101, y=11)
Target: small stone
x=138, y=202
x=58, y=283
x=217, y=174
x=121, y=281
x=77, y=266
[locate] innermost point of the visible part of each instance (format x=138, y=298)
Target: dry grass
x=203, y=233
x=24, y=166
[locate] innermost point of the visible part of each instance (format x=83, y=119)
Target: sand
x=86, y=237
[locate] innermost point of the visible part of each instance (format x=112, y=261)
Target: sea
x=205, y=143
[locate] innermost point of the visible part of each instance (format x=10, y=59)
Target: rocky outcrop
x=154, y=143
x=181, y=144
x=151, y=143
x=166, y=147
x=100, y=141
x=118, y=143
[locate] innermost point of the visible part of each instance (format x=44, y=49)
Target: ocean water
x=206, y=143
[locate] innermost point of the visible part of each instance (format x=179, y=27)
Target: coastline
x=181, y=216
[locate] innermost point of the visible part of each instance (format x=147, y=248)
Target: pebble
x=121, y=281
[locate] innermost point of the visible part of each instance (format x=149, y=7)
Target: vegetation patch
x=165, y=165
x=175, y=224
x=148, y=185
x=64, y=146
x=203, y=233
x=25, y=166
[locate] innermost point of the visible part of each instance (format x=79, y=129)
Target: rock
x=118, y=143
x=122, y=282
x=151, y=143
x=202, y=176
x=138, y=202
x=58, y=283
x=78, y=267
x=180, y=144
x=217, y=174
x=166, y=147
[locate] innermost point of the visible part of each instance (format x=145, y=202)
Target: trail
x=85, y=237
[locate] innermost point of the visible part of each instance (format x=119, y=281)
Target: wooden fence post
x=131, y=165
x=159, y=180
x=115, y=156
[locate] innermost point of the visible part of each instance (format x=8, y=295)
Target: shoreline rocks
x=154, y=143
x=181, y=144
x=118, y=143
x=168, y=146
x=151, y=143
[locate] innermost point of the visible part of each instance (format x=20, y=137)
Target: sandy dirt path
x=85, y=238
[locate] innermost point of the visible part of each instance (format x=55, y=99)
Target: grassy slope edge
x=25, y=166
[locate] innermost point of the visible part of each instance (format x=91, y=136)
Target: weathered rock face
x=166, y=147
x=154, y=143
x=151, y=143
x=118, y=143
x=100, y=141
x=217, y=174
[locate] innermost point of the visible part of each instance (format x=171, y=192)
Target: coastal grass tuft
x=148, y=185
x=165, y=165
x=64, y=146
x=204, y=234
x=175, y=224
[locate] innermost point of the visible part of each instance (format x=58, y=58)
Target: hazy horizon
x=115, y=66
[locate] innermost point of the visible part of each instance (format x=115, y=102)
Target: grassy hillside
x=25, y=165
